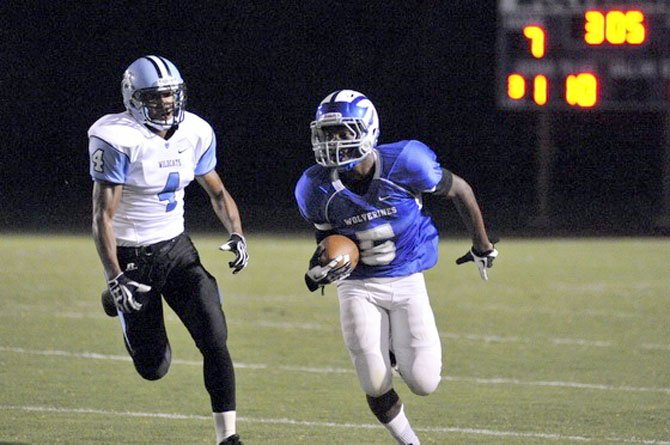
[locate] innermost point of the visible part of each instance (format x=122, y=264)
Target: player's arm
x=483, y=252
x=124, y=291
x=226, y=210
x=461, y=194
x=222, y=202
x=106, y=198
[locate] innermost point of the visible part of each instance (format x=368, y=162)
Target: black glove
x=318, y=276
x=125, y=293
x=483, y=260
x=238, y=245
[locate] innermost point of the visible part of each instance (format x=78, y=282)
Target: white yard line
x=308, y=423
x=656, y=347
x=574, y=385
x=312, y=326
x=596, y=313
x=322, y=370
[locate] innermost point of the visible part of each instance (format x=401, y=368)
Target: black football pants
x=172, y=268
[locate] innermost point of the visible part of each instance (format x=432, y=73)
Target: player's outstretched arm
x=483, y=252
x=226, y=210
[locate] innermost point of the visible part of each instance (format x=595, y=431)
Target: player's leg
x=194, y=296
x=365, y=329
x=146, y=340
x=416, y=341
x=144, y=332
x=390, y=411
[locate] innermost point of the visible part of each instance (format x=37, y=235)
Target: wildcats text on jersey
x=369, y=216
x=170, y=163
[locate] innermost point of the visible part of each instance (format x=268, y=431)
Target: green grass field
x=569, y=342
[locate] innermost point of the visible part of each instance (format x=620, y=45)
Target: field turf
x=569, y=342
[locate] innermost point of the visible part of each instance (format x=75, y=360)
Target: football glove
x=238, y=245
x=483, y=260
x=125, y=293
x=319, y=276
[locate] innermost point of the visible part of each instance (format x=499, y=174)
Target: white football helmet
x=154, y=92
x=354, y=111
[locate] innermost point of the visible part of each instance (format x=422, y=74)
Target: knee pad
x=374, y=377
x=422, y=385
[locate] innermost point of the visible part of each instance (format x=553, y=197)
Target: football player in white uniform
x=373, y=195
x=140, y=161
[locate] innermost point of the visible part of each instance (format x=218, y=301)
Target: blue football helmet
x=154, y=92
x=353, y=111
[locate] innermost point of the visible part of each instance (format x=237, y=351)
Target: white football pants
x=382, y=314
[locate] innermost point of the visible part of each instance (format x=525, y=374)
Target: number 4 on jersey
x=97, y=159
x=167, y=194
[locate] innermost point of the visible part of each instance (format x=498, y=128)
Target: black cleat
x=108, y=303
x=232, y=440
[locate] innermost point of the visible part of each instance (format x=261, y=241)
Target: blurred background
x=257, y=70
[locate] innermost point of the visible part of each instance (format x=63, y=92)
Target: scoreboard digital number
x=580, y=54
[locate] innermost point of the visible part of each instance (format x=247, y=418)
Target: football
x=336, y=245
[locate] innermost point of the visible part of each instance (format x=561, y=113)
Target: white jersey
x=153, y=171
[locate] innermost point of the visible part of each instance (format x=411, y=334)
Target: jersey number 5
x=167, y=194
x=377, y=247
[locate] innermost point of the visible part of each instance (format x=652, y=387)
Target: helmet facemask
x=161, y=107
x=343, y=153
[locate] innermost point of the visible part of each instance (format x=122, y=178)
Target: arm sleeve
x=443, y=187
x=207, y=161
x=106, y=162
x=303, y=194
x=417, y=168
x=311, y=198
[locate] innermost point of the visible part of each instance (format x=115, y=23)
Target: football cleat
x=108, y=303
x=232, y=440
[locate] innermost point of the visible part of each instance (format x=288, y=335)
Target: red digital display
x=614, y=27
x=564, y=55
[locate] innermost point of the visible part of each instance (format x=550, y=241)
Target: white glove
x=238, y=245
x=319, y=276
x=483, y=260
x=125, y=292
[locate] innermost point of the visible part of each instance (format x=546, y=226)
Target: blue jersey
x=395, y=235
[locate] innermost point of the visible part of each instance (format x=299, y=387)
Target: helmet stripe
x=153, y=59
x=358, y=99
x=167, y=66
x=333, y=97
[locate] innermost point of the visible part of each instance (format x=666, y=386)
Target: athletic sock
x=224, y=424
x=401, y=430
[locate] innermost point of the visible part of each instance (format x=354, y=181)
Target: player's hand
x=318, y=276
x=483, y=260
x=125, y=292
x=238, y=245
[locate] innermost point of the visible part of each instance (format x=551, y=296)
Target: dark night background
x=257, y=70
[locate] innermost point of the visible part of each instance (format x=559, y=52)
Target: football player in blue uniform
x=373, y=195
x=140, y=161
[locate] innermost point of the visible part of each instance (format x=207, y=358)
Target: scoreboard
x=583, y=54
